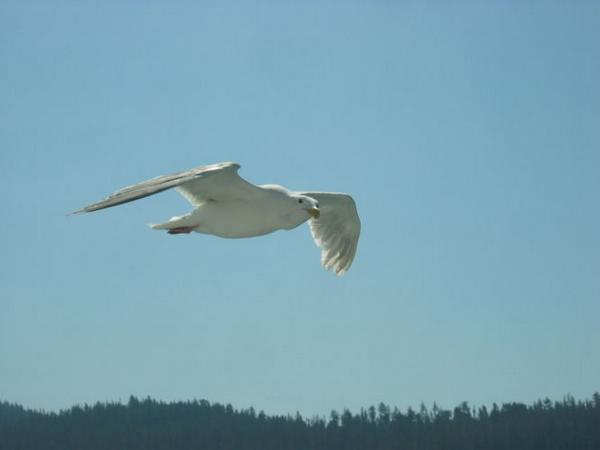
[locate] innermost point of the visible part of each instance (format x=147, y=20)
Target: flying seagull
x=228, y=206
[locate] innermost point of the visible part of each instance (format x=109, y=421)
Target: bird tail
x=176, y=222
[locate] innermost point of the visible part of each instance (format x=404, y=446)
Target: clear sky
x=469, y=136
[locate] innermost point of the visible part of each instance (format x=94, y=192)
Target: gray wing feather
x=336, y=231
x=225, y=182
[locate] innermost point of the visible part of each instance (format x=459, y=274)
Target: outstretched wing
x=218, y=182
x=336, y=231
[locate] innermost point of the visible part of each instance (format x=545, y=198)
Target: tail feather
x=187, y=220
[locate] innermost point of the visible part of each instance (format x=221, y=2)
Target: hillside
x=199, y=424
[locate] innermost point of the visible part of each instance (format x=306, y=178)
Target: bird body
x=240, y=218
x=228, y=206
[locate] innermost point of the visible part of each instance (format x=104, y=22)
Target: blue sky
x=468, y=135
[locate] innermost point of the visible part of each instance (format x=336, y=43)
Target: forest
x=199, y=424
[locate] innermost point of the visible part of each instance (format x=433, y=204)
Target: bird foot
x=180, y=230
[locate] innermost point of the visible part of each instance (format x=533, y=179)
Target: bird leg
x=181, y=230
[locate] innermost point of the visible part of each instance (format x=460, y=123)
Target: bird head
x=308, y=204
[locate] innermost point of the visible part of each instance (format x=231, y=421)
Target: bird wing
x=218, y=182
x=336, y=231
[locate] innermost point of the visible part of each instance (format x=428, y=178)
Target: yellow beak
x=314, y=212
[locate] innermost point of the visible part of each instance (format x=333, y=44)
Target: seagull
x=226, y=205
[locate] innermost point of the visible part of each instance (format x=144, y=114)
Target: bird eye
x=300, y=201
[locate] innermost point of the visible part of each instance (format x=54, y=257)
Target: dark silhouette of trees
x=147, y=424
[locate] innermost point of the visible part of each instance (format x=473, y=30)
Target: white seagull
x=228, y=206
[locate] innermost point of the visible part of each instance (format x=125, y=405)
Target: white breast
x=240, y=219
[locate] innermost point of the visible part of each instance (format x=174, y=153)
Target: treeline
x=152, y=425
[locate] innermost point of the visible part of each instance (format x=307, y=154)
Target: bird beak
x=314, y=212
